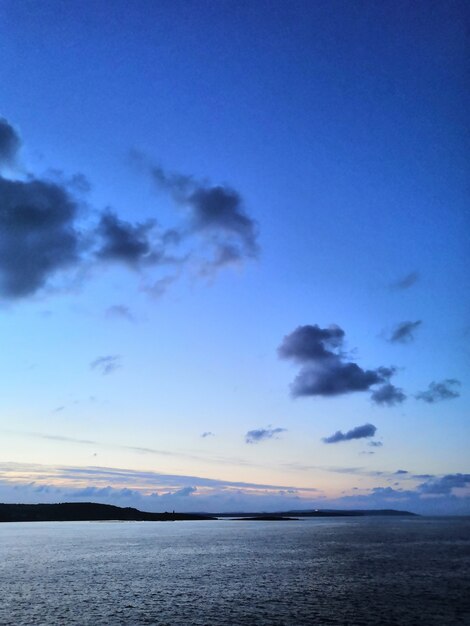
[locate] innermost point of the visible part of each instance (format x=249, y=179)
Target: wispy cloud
x=120, y=311
x=263, y=434
x=155, y=491
x=106, y=364
x=405, y=282
x=444, y=390
x=404, y=332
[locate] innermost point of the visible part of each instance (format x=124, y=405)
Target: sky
x=234, y=254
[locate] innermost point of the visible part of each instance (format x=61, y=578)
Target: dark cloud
x=388, y=395
x=216, y=213
x=400, y=471
x=405, y=282
x=9, y=143
x=444, y=390
x=404, y=332
x=262, y=434
x=207, y=433
x=38, y=235
x=106, y=364
x=125, y=242
x=325, y=369
x=359, y=432
x=120, y=311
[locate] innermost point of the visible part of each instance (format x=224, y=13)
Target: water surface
x=315, y=571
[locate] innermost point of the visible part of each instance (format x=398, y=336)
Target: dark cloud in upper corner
x=405, y=282
x=359, y=432
x=214, y=212
x=9, y=143
x=41, y=234
x=325, y=370
x=262, y=434
x=404, y=332
x=38, y=226
x=388, y=395
x=106, y=364
x=436, y=392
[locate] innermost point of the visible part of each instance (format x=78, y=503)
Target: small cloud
x=184, y=491
x=375, y=444
x=124, y=242
x=58, y=409
x=117, y=311
x=262, y=434
x=404, y=332
x=160, y=286
x=405, y=282
x=436, y=392
x=400, y=471
x=207, y=433
x=388, y=395
x=106, y=364
x=359, y=432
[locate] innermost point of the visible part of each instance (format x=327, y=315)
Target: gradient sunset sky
x=234, y=254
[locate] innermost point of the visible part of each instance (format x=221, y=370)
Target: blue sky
x=218, y=180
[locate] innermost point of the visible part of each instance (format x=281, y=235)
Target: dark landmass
x=87, y=512
x=319, y=513
x=268, y=518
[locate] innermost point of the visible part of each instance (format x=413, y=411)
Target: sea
x=348, y=571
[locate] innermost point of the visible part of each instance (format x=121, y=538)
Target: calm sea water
x=325, y=571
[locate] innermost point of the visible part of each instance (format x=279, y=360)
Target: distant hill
x=321, y=513
x=86, y=512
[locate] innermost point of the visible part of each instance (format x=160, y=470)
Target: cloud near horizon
x=359, y=432
x=152, y=491
x=325, y=370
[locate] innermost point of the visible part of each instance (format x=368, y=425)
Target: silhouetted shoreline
x=89, y=512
